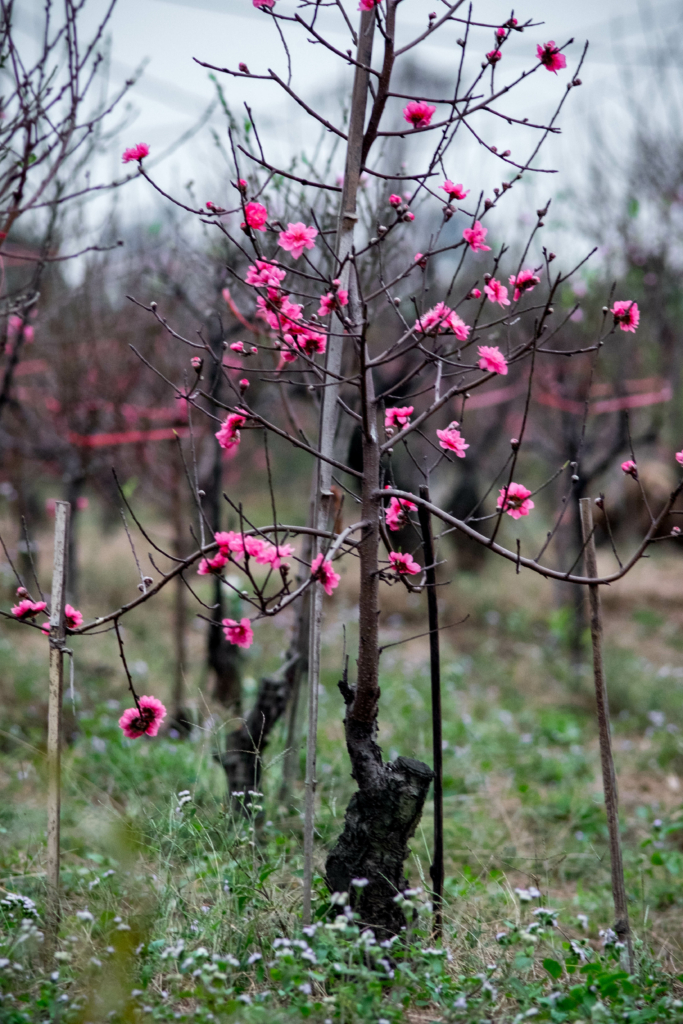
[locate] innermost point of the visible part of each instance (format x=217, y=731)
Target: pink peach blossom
x=451, y=440
x=404, y=564
x=626, y=314
x=322, y=570
x=525, y=281
x=26, y=609
x=493, y=56
x=492, y=359
x=630, y=468
x=135, y=153
x=237, y=346
x=145, y=721
x=515, y=500
x=396, y=513
x=209, y=565
x=679, y=458
x=368, y=5
x=229, y=543
x=332, y=301
x=265, y=274
x=475, y=293
x=497, y=292
x=475, y=237
x=550, y=57
x=238, y=633
x=256, y=216
x=454, y=191
x=395, y=200
x=296, y=238
x=229, y=435
x=409, y=215
x=442, y=318
x=263, y=4
x=73, y=617
x=418, y=113
x=397, y=416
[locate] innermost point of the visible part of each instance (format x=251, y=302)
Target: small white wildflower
x=4, y=962
x=608, y=936
x=54, y=976
x=137, y=992
x=308, y=954
x=84, y=915
x=524, y=895
x=108, y=874
x=123, y=927
x=578, y=950
x=408, y=893
x=306, y=988
x=339, y=899
x=583, y=921
x=500, y=936
x=309, y=930
x=244, y=999
x=95, y=962
x=460, y=1003
x=360, y=883
x=281, y=942
x=253, y=958
x=533, y=892
x=95, y=881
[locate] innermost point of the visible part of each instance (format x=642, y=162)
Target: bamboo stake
x=609, y=778
x=437, y=869
x=54, y=717
x=328, y=420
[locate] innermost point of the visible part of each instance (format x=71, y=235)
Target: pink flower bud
x=475, y=293
x=197, y=362
x=409, y=216
x=244, y=384
x=243, y=68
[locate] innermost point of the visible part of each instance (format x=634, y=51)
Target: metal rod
x=609, y=778
x=54, y=717
x=437, y=869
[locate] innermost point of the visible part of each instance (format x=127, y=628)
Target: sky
x=625, y=39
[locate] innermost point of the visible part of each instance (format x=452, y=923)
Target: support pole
x=609, y=778
x=54, y=717
x=436, y=870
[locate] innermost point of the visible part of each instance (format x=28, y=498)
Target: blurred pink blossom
x=238, y=633
x=492, y=359
x=296, y=238
x=515, y=500
x=418, y=113
x=404, y=564
x=143, y=722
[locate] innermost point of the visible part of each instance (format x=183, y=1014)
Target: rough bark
x=380, y=820
x=242, y=758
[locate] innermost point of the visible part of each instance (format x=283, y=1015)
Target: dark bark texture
x=244, y=747
x=374, y=844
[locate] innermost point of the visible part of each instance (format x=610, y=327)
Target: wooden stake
x=437, y=869
x=54, y=717
x=609, y=778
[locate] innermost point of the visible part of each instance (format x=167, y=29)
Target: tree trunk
x=180, y=719
x=222, y=658
x=384, y=814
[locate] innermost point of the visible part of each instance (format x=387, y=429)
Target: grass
x=178, y=908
